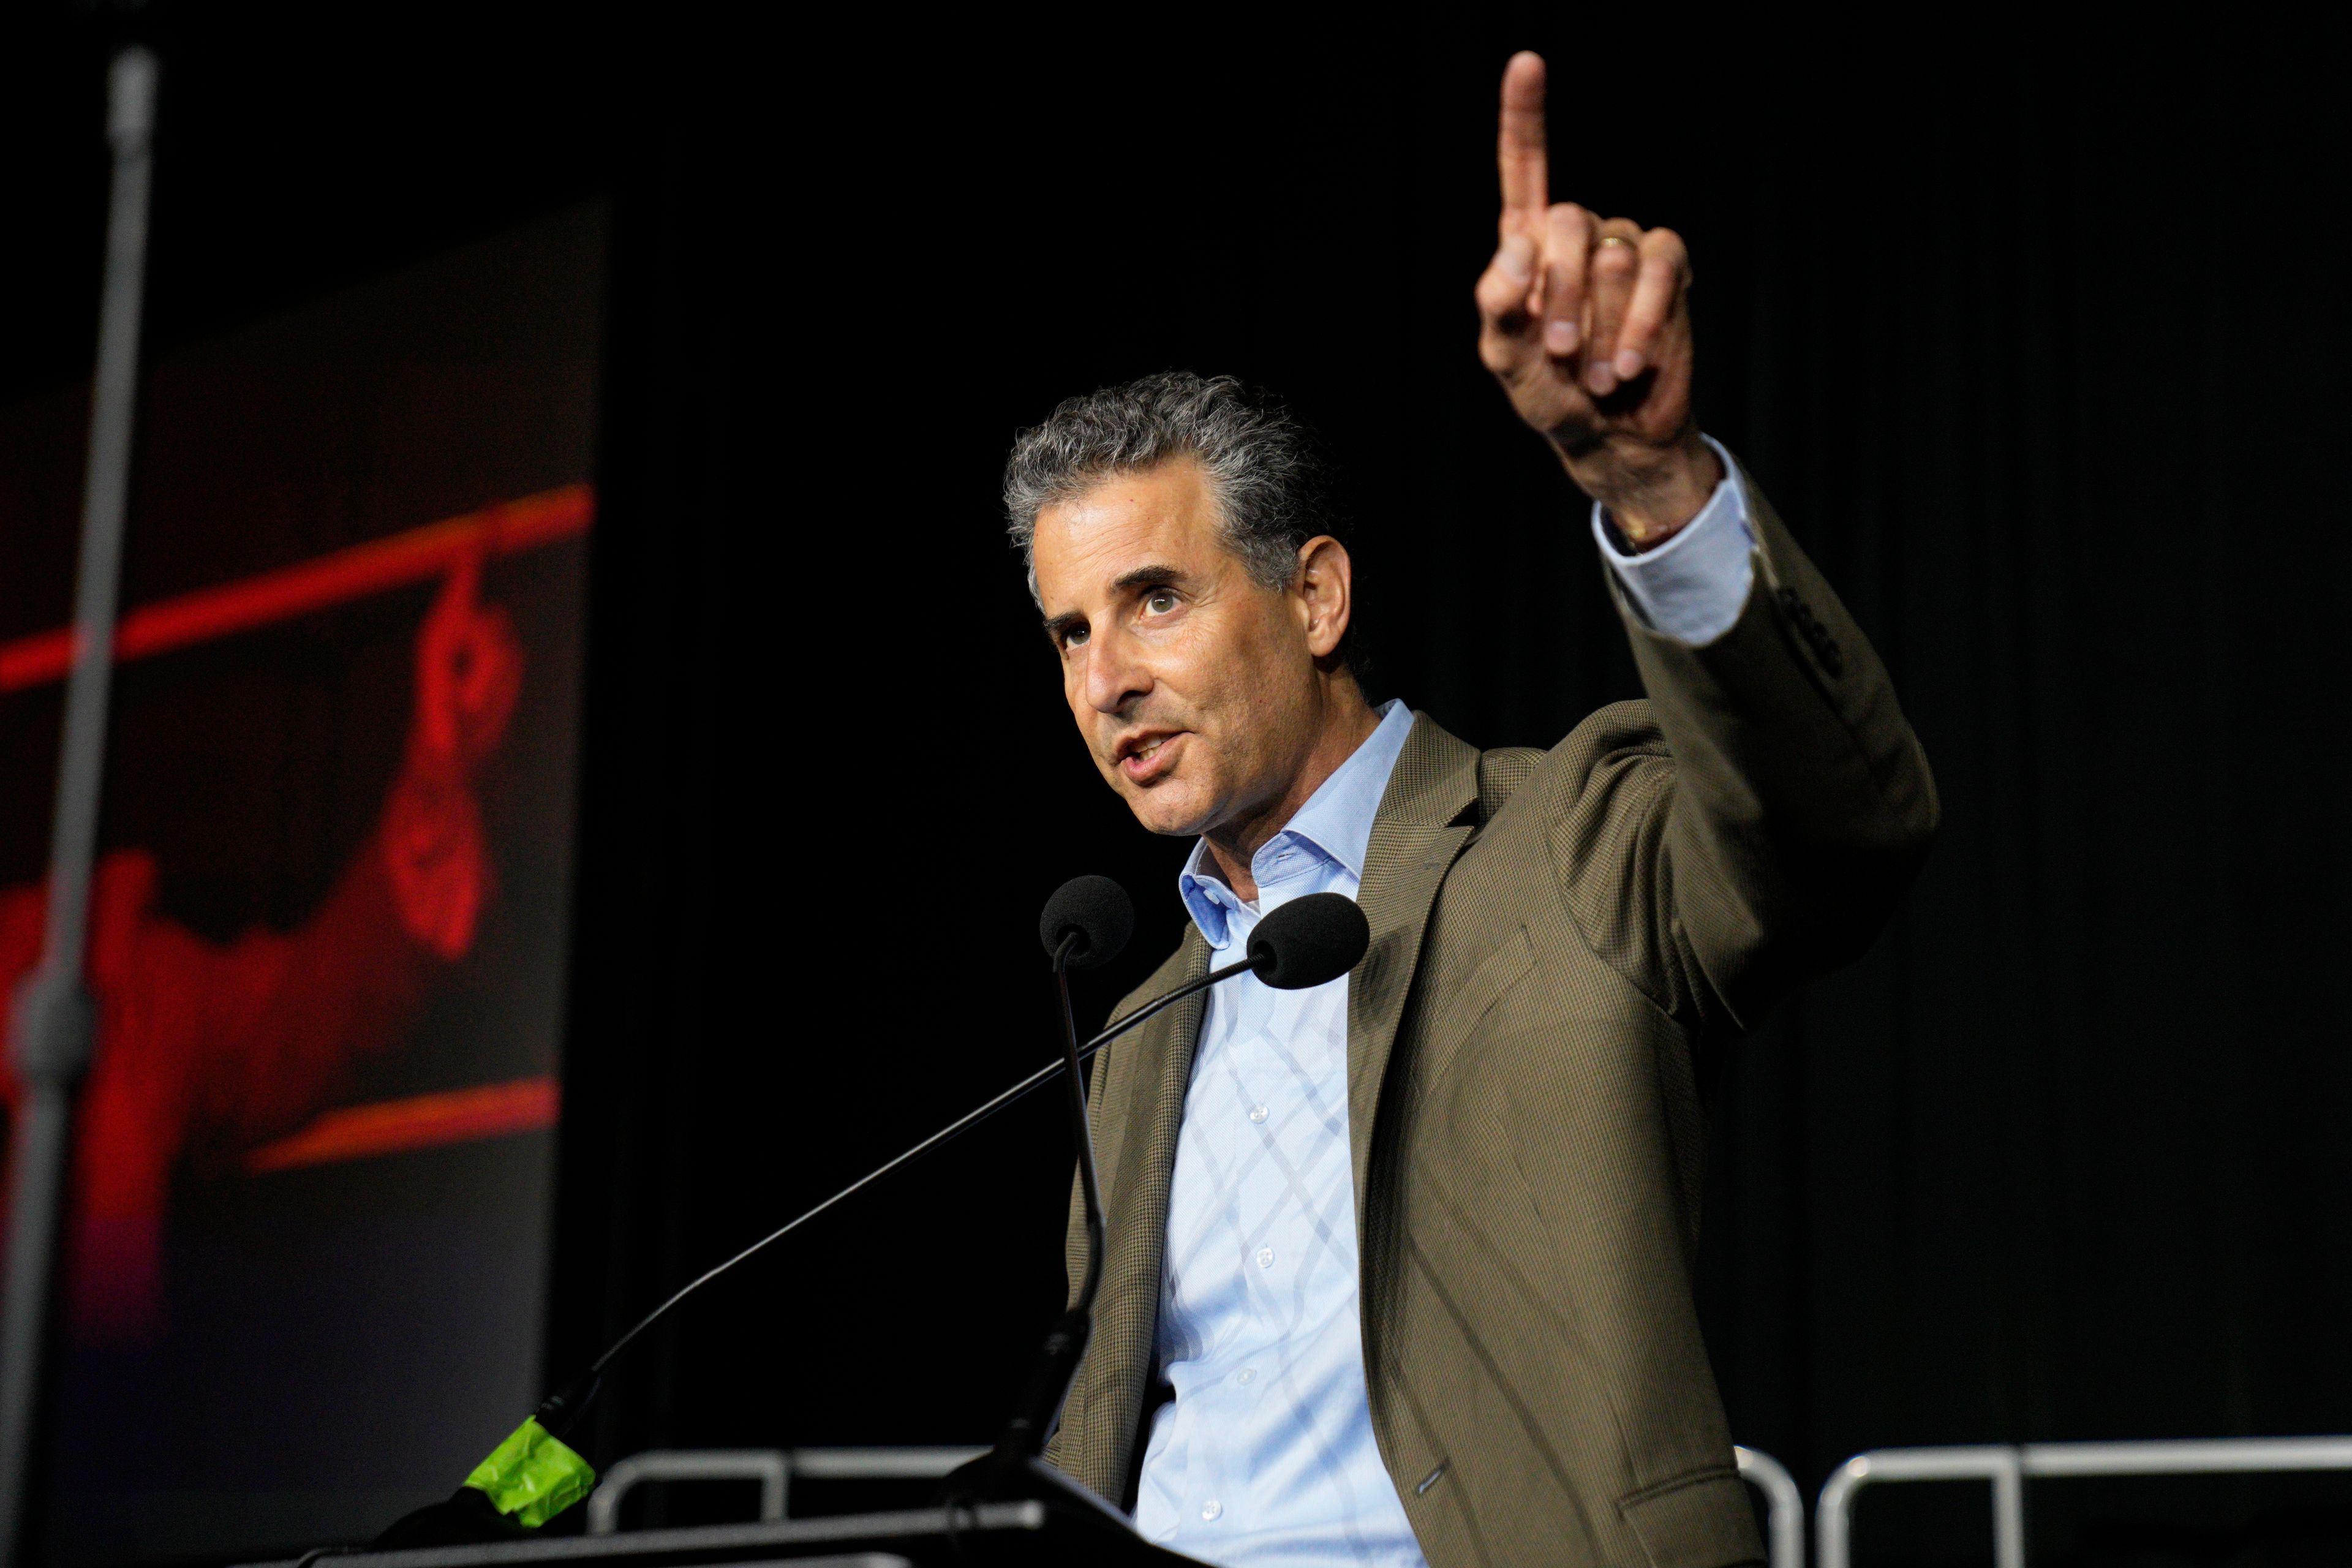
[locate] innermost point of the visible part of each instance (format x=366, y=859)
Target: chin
x=1169, y=809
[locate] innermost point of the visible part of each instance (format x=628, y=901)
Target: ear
x=1326, y=592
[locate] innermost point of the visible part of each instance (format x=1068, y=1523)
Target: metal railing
x=1784, y=1523
x=2008, y=1466
x=774, y=1469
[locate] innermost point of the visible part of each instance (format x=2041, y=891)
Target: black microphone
x=1309, y=940
x=1094, y=910
x=1306, y=943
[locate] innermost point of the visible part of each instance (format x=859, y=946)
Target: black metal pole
x=54, y=1018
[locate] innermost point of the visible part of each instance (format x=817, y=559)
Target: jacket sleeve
x=1753, y=829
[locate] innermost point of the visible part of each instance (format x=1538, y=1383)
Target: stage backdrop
x=305, y=1263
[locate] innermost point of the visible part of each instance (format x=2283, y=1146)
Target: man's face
x=1194, y=687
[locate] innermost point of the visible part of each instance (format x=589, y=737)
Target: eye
x=1074, y=637
x=1159, y=601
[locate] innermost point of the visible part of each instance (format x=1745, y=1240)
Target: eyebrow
x=1058, y=627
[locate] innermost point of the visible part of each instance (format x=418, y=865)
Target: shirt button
x=1266, y=1257
x=1257, y=1114
x=1247, y=1376
x=1213, y=1510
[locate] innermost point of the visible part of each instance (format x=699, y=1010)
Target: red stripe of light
x=422, y=1122
x=415, y=556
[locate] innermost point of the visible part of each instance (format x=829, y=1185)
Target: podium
x=1036, y=1533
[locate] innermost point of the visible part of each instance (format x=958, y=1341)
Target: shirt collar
x=1336, y=823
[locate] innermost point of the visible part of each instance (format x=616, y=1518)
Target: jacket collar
x=1334, y=826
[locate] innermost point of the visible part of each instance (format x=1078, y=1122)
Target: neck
x=1347, y=723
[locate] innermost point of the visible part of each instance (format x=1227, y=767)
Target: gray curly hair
x=1261, y=468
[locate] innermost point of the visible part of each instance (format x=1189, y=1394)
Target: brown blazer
x=1551, y=933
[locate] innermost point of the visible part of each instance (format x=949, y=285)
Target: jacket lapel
x=1136, y=1130
x=1415, y=837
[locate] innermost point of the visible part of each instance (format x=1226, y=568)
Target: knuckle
x=1498, y=291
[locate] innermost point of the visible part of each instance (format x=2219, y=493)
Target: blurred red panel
x=421, y=1122
x=415, y=556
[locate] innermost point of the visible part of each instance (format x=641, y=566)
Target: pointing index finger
x=1519, y=145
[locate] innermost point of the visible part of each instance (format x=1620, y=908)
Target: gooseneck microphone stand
x=1277, y=954
x=1057, y=1363
x=561, y=1408
x=1081, y=1128
x=1306, y=943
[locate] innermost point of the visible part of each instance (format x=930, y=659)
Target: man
x=1408, y=1257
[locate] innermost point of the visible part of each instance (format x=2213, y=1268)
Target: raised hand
x=1586, y=322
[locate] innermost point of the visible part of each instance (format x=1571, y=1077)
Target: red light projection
x=218, y=1055
x=420, y=1121
x=415, y=556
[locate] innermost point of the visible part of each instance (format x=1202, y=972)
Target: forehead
x=1160, y=516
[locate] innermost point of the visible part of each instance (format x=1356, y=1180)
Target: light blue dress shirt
x=1266, y=1459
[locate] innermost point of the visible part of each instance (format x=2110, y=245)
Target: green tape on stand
x=532, y=1477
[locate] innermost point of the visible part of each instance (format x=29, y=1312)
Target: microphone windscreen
x=1309, y=940
x=1098, y=910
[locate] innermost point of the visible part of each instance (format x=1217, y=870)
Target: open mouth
x=1144, y=757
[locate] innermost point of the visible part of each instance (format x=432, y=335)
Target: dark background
x=2036, y=336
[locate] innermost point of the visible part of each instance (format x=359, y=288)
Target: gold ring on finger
x=1619, y=239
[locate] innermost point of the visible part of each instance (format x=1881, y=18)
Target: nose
x=1115, y=674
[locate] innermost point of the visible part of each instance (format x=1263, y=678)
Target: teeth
x=1148, y=752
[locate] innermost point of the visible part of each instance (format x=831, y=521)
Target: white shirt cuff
x=1692, y=587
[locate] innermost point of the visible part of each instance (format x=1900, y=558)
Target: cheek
x=1244, y=705
x=1226, y=676
x=1261, y=666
